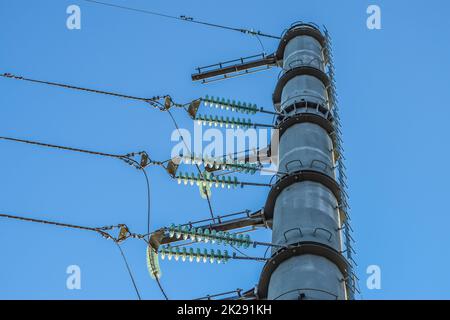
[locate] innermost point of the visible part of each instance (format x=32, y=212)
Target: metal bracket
x=325, y=230
x=293, y=229
x=286, y=166
x=326, y=165
x=193, y=108
x=123, y=234
x=145, y=160
x=172, y=168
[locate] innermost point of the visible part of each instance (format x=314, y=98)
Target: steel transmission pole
x=307, y=207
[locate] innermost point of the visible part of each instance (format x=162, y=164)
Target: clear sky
x=393, y=86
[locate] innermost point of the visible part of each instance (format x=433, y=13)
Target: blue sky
x=393, y=88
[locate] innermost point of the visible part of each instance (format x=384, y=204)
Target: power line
x=148, y=228
x=244, y=254
x=151, y=100
x=41, y=144
x=161, y=288
x=129, y=270
x=128, y=158
x=261, y=44
x=100, y=230
x=148, y=201
x=184, y=18
x=246, y=257
x=209, y=205
x=153, y=271
x=196, y=165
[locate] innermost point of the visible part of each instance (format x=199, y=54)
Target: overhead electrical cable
x=129, y=271
x=184, y=18
x=41, y=144
x=127, y=158
x=196, y=165
x=145, y=161
x=148, y=201
x=151, y=100
x=161, y=288
x=162, y=103
x=101, y=230
x=123, y=235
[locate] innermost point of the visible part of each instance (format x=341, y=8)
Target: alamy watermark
x=373, y=281
x=374, y=19
x=250, y=145
x=73, y=281
x=73, y=21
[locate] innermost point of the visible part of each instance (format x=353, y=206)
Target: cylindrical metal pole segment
x=303, y=210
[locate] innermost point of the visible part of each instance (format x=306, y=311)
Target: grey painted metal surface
x=306, y=211
x=303, y=88
x=303, y=51
x=313, y=276
x=306, y=146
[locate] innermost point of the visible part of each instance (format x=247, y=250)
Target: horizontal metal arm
x=224, y=70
